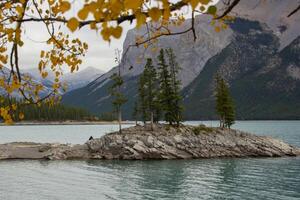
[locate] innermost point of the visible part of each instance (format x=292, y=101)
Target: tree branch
x=119, y=20
x=294, y=11
x=228, y=9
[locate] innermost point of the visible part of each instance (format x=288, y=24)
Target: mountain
x=5, y=72
x=81, y=78
x=258, y=55
x=74, y=80
x=264, y=82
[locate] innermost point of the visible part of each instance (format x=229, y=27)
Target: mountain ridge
x=247, y=39
x=74, y=80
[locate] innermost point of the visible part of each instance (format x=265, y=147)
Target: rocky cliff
x=258, y=56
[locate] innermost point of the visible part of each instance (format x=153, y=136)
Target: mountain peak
x=92, y=69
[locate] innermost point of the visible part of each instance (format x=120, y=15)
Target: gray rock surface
x=137, y=143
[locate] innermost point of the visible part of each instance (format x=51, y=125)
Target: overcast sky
x=100, y=53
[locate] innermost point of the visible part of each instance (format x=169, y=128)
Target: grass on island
x=202, y=129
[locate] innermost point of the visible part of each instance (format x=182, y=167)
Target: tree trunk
x=151, y=121
x=120, y=120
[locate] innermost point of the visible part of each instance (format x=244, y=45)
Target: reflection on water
x=271, y=178
x=277, y=178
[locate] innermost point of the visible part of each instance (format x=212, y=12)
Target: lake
x=251, y=178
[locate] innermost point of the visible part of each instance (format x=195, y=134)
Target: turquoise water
x=264, y=178
x=75, y=134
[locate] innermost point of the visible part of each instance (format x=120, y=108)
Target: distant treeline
x=57, y=112
x=46, y=111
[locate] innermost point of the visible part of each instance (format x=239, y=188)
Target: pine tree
x=224, y=103
x=115, y=89
x=135, y=112
x=165, y=96
x=151, y=89
x=118, y=98
x=148, y=93
x=230, y=113
x=177, y=107
x=142, y=98
x=219, y=99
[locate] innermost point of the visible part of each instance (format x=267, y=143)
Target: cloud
x=100, y=53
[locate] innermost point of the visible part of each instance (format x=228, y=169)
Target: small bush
x=202, y=128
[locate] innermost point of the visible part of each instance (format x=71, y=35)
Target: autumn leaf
x=73, y=24
x=65, y=6
x=133, y=4
x=83, y=13
x=21, y=116
x=140, y=19
x=217, y=29
x=155, y=14
x=117, y=32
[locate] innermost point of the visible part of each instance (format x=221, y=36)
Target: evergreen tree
x=177, y=107
x=135, y=112
x=219, y=99
x=230, y=113
x=118, y=98
x=151, y=89
x=165, y=96
x=44, y=111
x=142, y=98
x=115, y=89
x=148, y=93
x=224, y=103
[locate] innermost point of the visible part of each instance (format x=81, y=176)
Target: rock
x=138, y=143
x=183, y=143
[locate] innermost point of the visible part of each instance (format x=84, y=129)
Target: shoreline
x=161, y=143
x=50, y=123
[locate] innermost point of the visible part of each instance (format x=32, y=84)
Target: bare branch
x=228, y=9
x=294, y=11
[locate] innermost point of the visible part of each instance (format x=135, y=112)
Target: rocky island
x=164, y=142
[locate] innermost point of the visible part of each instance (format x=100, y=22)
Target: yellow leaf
x=117, y=32
x=155, y=14
x=116, y=6
x=217, y=29
x=65, y=6
x=105, y=32
x=83, y=13
x=166, y=14
x=73, y=24
x=194, y=3
x=140, y=19
x=44, y=74
x=7, y=5
x=42, y=54
x=205, y=2
x=93, y=25
x=14, y=107
x=20, y=10
x=21, y=116
x=133, y=4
